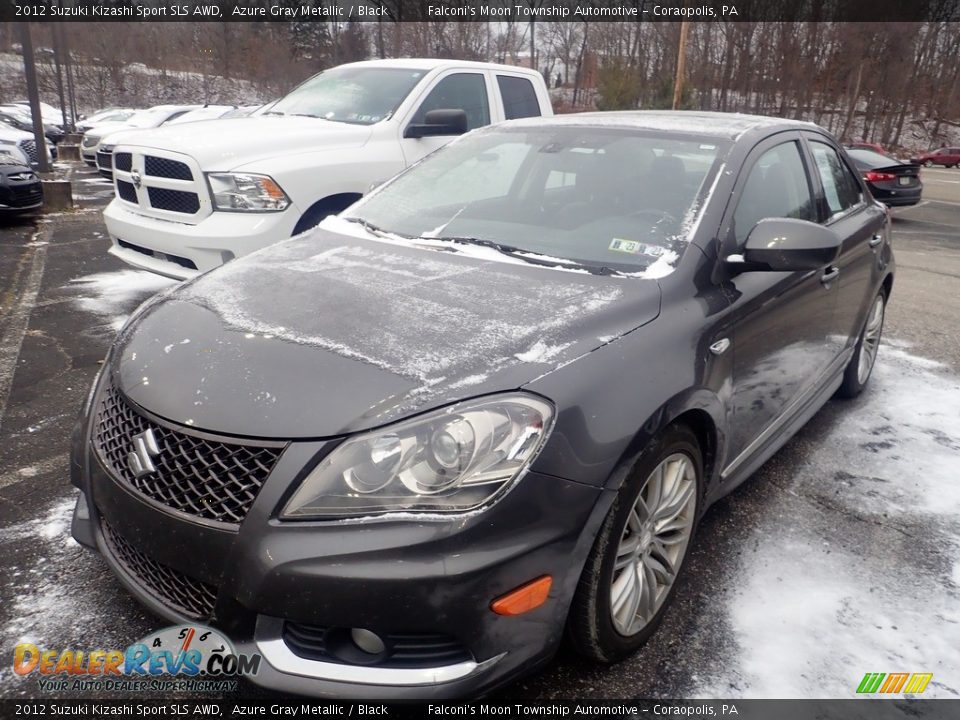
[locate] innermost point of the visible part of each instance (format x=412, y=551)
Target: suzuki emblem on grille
x=145, y=448
x=135, y=177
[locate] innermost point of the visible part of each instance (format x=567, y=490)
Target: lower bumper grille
x=181, y=593
x=22, y=196
x=176, y=259
x=401, y=650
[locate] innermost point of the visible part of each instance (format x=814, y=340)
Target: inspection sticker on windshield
x=635, y=247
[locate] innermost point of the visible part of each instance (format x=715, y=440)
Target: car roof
x=715, y=124
x=433, y=63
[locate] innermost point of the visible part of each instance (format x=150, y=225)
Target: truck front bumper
x=181, y=251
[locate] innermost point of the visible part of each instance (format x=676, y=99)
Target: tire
x=928, y=163
x=593, y=627
x=858, y=370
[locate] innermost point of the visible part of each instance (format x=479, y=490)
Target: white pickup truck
x=192, y=197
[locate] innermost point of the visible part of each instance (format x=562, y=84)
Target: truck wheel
x=328, y=206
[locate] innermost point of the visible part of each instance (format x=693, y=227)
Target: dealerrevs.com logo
x=181, y=657
x=894, y=683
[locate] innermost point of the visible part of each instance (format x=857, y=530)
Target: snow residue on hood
x=816, y=603
x=541, y=352
x=376, y=300
x=113, y=295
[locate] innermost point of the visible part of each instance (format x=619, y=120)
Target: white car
x=21, y=145
x=207, y=112
x=111, y=115
x=140, y=120
x=192, y=197
x=48, y=113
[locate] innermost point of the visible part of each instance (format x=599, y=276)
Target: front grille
x=403, y=650
x=176, y=201
x=105, y=160
x=29, y=148
x=21, y=196
x=204, y=478
x=123, y=161
x=127, y=191
x=166, y=168
x=180, y=592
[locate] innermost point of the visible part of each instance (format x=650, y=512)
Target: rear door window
x=840, y=187
x=519, y=97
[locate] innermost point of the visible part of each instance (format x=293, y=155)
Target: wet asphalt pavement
x=840, y=556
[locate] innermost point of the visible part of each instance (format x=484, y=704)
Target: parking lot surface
x=841, y=555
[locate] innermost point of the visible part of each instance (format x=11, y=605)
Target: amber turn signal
x=524, y=598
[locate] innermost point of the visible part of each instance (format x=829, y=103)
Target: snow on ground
x=816, y=606
x=112, y=296
x=38, y=615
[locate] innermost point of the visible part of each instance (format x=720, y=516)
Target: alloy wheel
x=653, y=543
x=871, y=341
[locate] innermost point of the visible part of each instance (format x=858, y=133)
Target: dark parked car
x=399, y=455
x=876, y=147
x=20, y=189
x=946, y=156
x=890, y=181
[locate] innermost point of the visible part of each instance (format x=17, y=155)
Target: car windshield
x=357, y=95
x=608, y=199
x=872, y=158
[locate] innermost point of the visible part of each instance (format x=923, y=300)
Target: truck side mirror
x=438, y=122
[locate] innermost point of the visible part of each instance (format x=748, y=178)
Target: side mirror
x=438, y=122
x=787, y=245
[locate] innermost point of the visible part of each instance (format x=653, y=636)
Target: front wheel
x=928, y=163
x=630, y=576
x=860, y=367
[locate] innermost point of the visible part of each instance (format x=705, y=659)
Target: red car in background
x=946, y=156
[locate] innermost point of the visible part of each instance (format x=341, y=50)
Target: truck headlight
x=451, y=460
x=244, y=192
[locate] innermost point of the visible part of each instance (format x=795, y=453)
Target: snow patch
x=813, y=607
x=112, y=295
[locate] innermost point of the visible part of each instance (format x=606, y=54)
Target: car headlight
x=243, y=192
x=107, y=148
x=451, y=460
x=90, y=141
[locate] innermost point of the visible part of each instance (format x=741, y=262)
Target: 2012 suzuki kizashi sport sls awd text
x=403, y=454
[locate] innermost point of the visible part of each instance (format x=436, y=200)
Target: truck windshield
x=356, y=95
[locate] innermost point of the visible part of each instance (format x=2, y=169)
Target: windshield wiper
x=368, y=226
x=273, y=112
x=527, y=256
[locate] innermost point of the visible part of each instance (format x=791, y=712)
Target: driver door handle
x=829, y=275
x=876, y=240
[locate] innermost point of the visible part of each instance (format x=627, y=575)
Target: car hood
x=325, y=334
x=227, y=144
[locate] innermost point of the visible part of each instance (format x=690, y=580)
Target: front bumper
x=388, y=576
x=150, y=243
